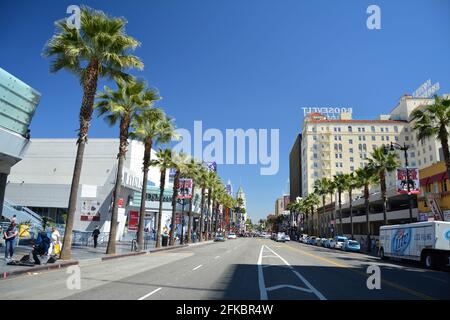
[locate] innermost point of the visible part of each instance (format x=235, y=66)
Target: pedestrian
x=10, y=240
x=55, y=246
x=95, y=235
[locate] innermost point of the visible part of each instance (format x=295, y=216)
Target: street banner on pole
x=133, y=220
x=184, y=189
x=403, y=181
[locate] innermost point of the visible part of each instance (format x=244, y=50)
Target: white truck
x=428, y=242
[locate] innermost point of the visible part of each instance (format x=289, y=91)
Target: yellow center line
x=389, y=283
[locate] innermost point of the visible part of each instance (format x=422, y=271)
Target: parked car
x=351, y=245
x=337, y=242
x=327, y=242
x=232, y=236
x=312, y=240
x=281, y=237
x=219, y=237
x=287, y=238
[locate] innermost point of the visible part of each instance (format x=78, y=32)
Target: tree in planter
x=153, y=128
x=123, y=105
x=100, y=48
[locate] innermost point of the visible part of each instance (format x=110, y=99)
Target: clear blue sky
x=244, y=64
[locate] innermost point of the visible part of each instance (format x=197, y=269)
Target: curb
x=47, y=267
x=201, y=243
x=123, y=255
x=168, y=248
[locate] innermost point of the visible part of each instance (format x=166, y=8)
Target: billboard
x=184, y=189
x=403, y=181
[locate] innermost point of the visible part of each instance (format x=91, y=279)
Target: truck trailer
x=427, y=242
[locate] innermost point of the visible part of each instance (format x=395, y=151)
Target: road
x=245, y=268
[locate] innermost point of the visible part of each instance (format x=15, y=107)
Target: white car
x=280, y=237
x=287, y=238
x=232, y=236
x=338, y=242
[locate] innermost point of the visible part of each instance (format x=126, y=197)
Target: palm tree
x=365, y=177
x=100, y=48
x=164, y=162
x=203, y=183
x=432, y=122
x=382, y=163
x=322, y=188
x=193, y=171
x=340, y=181
x=153, y=128
x=122, y=105
x=211, y=184
x=351, y=184
x=311, y=201
x=179, y=163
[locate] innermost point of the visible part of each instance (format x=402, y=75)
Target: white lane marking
x=434, y=278
x=216, y=257
x=199, y=266
x=149, y=294
x=280, y=286
x=314, y=290
x=262, y=286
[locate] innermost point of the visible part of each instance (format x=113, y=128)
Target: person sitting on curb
x=41, y=248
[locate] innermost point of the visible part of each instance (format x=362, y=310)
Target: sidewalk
x=80, y=255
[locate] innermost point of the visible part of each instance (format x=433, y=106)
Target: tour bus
x=428, y=242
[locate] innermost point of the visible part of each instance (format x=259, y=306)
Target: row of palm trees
x=101, y=49
x=430, y=121
x=379, y=164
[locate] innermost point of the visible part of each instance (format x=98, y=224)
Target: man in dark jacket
x=95, y=235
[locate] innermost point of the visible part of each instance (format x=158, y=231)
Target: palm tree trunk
x=111, y=249
x=383, y=196
x=445, y=149
x=190, y=213
x=351, y=211
x=340, y=212
x=162, y=183
x=174, y=208
x=209, y=219
x=87, y=107
x=202, y=215
x=146, y=164
x=324, y=213
x=124, y=127
x=366, y=204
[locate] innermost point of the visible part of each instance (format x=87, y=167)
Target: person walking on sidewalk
x=95, y=235
x=10, y=240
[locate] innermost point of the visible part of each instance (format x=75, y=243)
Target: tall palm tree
x=163, y=161
x=322, y=188
x=351, y=184
x=432, y=121
x=311, y=201
x=100, y=48
x=193, y=171
x=382, y=163
x=366, y=177
x=153, y=128
x=203, y=183
x=211, y=183
x=122, y=105
x=340, y=181
x=179, y=163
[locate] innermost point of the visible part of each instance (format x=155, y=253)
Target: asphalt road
x=247, y=268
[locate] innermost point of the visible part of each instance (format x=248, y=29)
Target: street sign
x=184, y=189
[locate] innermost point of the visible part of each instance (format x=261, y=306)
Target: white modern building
x=42, y=183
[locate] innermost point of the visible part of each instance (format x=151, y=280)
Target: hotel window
x=359, y=129
x=395, y=128
x=387, y=138
x=431, y=158
x=352, y=168
x=382, y=138
x=406, y=130
x=315, y=155
x=382, y=129
x=420, y=162
x=350, y=150
x=406, y=138
x=429, y=148
x=412, y=154
x=351, y=159
x=337, y=164
x=350, y=141
x=387, y=129
x=373, y=128
x=340, y=146
x=314, y=137
x=350, y=129
x=396, y=138
x=373, y=138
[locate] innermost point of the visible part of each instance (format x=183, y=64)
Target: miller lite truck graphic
x=428, y=242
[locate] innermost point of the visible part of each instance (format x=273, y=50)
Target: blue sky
x=244, y=64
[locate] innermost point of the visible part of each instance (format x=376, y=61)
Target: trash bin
x=165, y=240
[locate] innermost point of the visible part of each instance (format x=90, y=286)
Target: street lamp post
x=405, y=148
